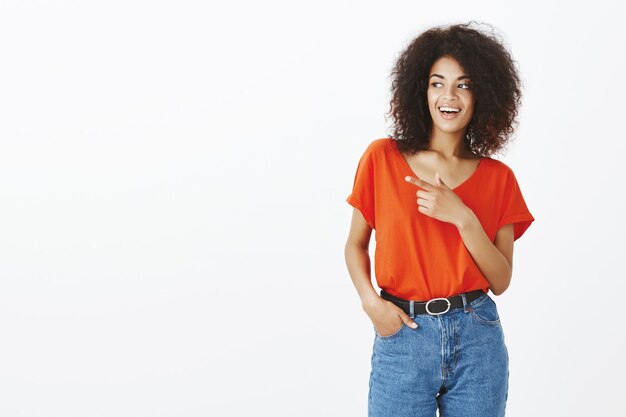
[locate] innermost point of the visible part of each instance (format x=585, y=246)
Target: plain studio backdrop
x=173, y=178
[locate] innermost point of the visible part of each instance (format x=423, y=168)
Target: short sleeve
x=514, y=209
x=362, y=196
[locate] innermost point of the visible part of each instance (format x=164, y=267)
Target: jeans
x=456, y=362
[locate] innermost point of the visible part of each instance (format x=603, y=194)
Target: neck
x=450, y=145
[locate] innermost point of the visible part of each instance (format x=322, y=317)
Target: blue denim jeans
x=456, y=362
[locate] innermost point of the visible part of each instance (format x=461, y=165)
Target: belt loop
x=412, y=308
x=465, y=304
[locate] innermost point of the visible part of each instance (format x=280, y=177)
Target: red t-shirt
x=417, y=256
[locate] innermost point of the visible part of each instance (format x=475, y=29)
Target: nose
x=449, y=92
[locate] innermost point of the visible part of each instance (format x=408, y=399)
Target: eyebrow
x=462, y=77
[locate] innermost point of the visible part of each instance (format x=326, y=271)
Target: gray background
x=173, y=178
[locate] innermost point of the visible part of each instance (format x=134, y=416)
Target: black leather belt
x=433, y=307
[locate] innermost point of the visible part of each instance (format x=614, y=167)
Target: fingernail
x=414, y=325
x=407, y=178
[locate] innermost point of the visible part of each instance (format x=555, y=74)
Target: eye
x=433, y=84
x=467, y=86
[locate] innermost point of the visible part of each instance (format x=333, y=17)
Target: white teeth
x=449, y=109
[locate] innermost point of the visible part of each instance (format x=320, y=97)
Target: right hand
x=387, y=317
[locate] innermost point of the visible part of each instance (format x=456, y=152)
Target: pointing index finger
x=420, y=183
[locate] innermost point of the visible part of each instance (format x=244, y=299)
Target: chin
x=452, y=129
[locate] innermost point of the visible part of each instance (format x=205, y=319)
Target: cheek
x=432, y=99
x=470, y=108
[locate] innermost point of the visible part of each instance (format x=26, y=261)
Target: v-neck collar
x=413, y=174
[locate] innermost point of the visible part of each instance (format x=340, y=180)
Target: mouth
x=448, y=112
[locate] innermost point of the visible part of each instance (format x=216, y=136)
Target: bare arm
x=358, y=258
x=382, y=313
x=495, y=260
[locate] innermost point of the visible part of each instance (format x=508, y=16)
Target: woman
x=446, y=215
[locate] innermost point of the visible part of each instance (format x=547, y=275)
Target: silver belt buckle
x=435, y=299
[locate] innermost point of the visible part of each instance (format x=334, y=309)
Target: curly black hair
x=495, y=82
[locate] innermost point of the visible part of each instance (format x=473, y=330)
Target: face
x=449, y=86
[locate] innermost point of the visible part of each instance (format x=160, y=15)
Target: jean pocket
x=392, y=335
x=486, y=312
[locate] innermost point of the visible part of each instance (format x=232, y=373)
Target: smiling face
x=450, y=88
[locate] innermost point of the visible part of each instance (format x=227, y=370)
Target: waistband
x=435, y=306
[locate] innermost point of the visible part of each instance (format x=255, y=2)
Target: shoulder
x=497, y=167
x=379, y=147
